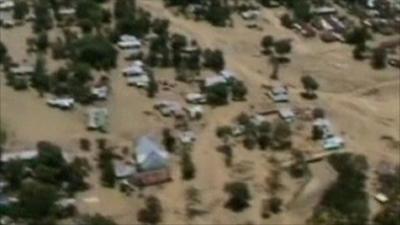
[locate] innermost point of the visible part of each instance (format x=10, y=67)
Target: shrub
x=152, y=213
x=187, y=166
x=217, y=94
x=223, y=131
x=85, y=144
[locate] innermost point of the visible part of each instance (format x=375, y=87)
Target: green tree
x=310, y=85
x=283, y=47
x=42, y=41
x=13, y=173
x=281, y=134
x=95, y=51
x=214, y=59
x=359, y=35
x=168, y=140
x=187, y=166
x=50, y=155
x=107, y=174
x=217, y=13
x=358, y=51
x=217, y=94
x=239, y=195
x=301, y=10
x=43, y=20
x=3, y=52
x=152, y=213
x=267, y=42
x=37, y=201
x=90, y=11
x=379, y=58
x=239, y=90
x=40, y=79
x=96, y=219
x=21, y=9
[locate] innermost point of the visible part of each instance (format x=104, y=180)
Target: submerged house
x=152, y=163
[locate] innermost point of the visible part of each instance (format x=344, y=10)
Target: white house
x=196, y=98
x=100, y=92
x=279, y=93
x=129, y=42
x=62, y=103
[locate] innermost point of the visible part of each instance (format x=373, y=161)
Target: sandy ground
x=362, y=103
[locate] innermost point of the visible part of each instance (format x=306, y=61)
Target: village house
x=129, y=42
x=64, y=103
x=287, y=114
x=196, y=98
x=22, y=70
x=194, y=111
x=170, y=108
x=152, y=163
x=279, y=93
x=97, y=119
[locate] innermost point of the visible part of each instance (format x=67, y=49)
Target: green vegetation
x=217, y=94
x=43, y=20
x=310, y=85
x=21, y=9
x=214, y=59
x=96, y=219
x=345, y=202
x=187, y=166
x=3, y=52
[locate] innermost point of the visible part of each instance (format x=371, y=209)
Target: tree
x=358, y=51
x=76, y=173
x=286, y=21
x=379, y=58
x=152, y=213
x=40, y=79
x=3, y=52
x=281, y=134
x=214, y=59
x=96, y=219
x=217, y=94
x=95, y=51
x=239, y=196
x=239, y=90
x=42, y=41
x=357, y=36
x=90, y=11
x=43, y=20
x=283, y=47
x=50, y=155
x=21, y=9
x=37, y=201
x=217, y=14
x=13, y=173
x=275, y=204
x=301, y=10
x=318, y=113
x=187, y=166
x=267, y=42
x=168, y=140
x=107, y=174
x=310, y=85
x=81, y=72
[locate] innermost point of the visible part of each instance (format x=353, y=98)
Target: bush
x=310, y=85
x=168, y=140
x=286, y=21
x=267, y=42
x=107, y=174
x=239, y=196
x=275, y=204
x=283, y=47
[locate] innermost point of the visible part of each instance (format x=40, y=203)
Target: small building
x=196, y=98
x=21, y=155
x=187, y=137
x=287, y=114
x=97, y=119
x=22, y=70
x=325, y=126
x=325, y=10
x=129, y=42
x=100, y=92
x=214, y=80
x=67, y=12
x=140, y=81
x=123, y=170
x=7, y=5
x=133, y=70
x=64, y=103
x=250, y=14
x=381, y=198
x=152, y=162
x=169, y=108
x=279, y=93
x=195, y=111
x=333, y=143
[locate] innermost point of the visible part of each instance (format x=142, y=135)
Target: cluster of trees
x=310, y=86
x=216, y=12
x=105, y=164
x=50, y=176
x=129, y=20
x=277, y=49
x=220, y=93
x=91, y=15
x=346, y=201
x=3, y=52
x=264, y=134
